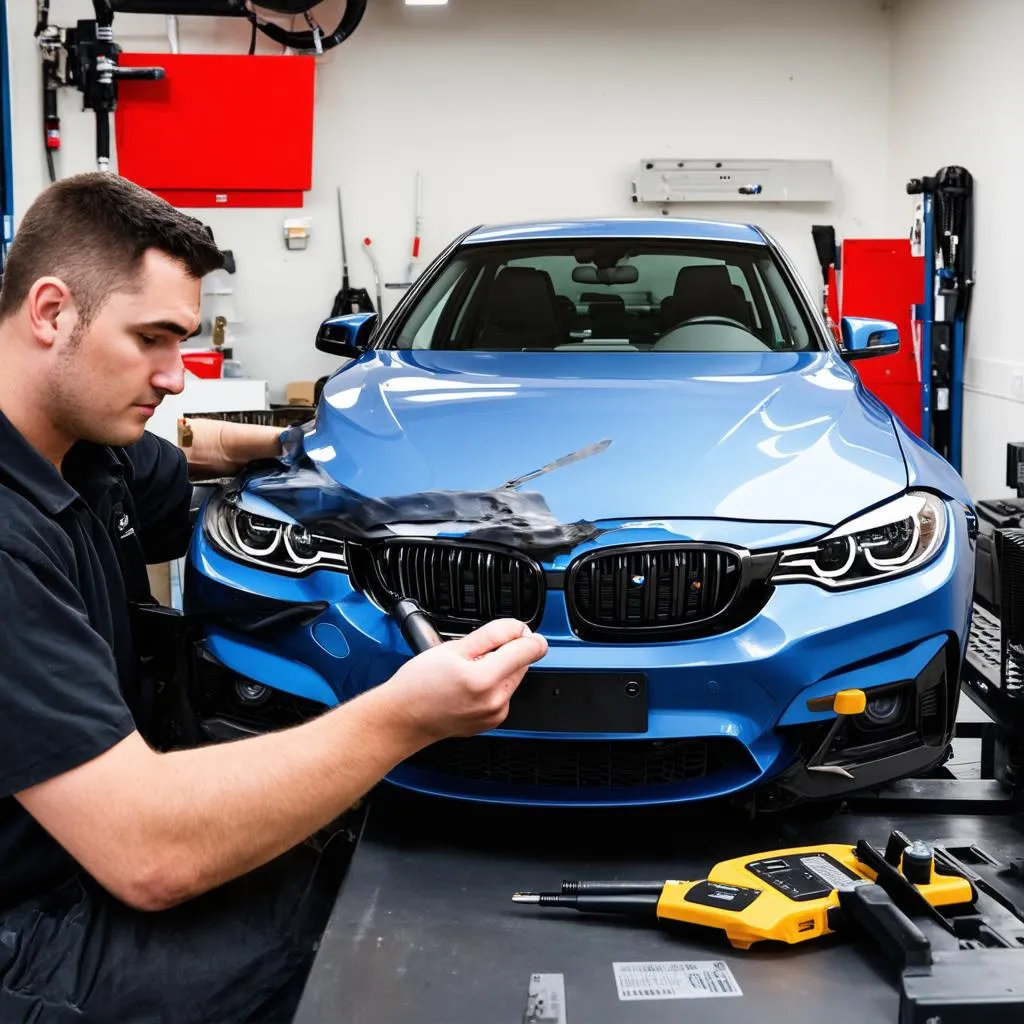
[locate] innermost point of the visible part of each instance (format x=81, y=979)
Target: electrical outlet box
x=296, y=232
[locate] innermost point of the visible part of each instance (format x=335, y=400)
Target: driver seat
x=704, y=291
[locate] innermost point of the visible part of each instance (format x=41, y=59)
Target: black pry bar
x=640, y=904
x=602, y=888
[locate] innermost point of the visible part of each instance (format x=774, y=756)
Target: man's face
x=107, y=381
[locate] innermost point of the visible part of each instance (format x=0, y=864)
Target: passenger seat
x=521, y=312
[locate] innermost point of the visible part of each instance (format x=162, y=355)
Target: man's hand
x=463, y=687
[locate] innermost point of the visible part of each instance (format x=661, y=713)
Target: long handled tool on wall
x=417, y=230
x=413, y=269
x=368, y=246
x=349, y=299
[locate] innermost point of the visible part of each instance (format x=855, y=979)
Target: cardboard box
x=300, y=392
x=160, y=582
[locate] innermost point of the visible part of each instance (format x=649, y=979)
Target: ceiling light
x=425, y=3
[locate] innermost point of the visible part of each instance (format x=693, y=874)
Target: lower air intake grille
x=578, y=764
x=930, y=705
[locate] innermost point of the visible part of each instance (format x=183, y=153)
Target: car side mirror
x=865, y=339
x=347, y=335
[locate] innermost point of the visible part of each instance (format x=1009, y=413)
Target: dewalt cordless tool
x=792, y=895
x=802, y=893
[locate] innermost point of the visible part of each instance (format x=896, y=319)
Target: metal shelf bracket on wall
x=666, y=180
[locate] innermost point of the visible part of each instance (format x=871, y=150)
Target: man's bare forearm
x=156, y=829
x=215, y=812
x=218, y=447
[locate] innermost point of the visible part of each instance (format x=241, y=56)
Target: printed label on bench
x=675, y=979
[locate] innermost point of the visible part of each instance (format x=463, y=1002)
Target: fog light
x=886, y=709
x=252, y=694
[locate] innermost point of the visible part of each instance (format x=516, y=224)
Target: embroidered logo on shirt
x=124, y=531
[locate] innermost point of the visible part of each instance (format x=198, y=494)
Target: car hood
x=768, y=437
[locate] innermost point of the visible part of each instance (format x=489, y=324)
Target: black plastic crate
x=279, y=416
x=994, y=514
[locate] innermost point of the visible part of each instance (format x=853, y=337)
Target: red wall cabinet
x=218, y=130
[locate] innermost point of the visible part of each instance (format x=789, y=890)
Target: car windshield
x=610, y=295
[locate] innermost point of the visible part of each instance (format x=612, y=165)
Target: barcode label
x=702, y=979
x=831, y=874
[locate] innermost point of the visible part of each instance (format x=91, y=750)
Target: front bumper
x=725, y=712
x=841, y=757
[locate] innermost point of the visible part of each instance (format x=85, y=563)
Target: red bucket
x=204, y=364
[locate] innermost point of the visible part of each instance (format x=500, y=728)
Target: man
x=100, y=834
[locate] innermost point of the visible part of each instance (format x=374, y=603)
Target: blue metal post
x=956, y=387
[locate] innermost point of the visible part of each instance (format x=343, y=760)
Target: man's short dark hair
x=92, y=231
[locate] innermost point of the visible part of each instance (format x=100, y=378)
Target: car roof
x=623, y=227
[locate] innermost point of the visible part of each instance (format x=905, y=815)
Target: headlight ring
x=270, y=544
x=897, y=538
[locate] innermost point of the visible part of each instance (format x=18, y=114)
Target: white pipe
x=172, y=33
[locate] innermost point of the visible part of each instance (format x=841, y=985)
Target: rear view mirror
x=347, y=335
x=625, y=274
x=864, y=339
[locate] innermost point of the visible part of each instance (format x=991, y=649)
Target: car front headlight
x=897, y=538
x=270, y=544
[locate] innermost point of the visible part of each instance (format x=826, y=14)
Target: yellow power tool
x=791, y=895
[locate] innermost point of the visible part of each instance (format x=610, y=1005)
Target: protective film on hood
x=503, y=515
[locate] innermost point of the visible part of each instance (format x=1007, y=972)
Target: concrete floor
x=966, y=763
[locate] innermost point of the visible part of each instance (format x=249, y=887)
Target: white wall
x=957, y=83
x=529, y=109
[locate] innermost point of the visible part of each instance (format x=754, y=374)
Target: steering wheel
x=722, y=321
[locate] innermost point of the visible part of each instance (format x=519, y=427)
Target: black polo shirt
x=73, y=552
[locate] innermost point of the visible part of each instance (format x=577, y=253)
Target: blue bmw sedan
x=639, y=437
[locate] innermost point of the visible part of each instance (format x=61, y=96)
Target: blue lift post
x=6, y=145
x=948, y=249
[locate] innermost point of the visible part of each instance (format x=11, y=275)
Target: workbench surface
x=424, y=930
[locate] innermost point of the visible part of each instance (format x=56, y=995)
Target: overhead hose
x=307, y=41
x=42, y=16
x=104, y=10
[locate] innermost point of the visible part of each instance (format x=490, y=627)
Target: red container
x=204, y=364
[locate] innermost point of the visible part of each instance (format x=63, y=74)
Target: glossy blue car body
x=757, y=452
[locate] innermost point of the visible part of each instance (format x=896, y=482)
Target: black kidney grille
x=578, y=764
x=656, y=588
x=461, y=586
